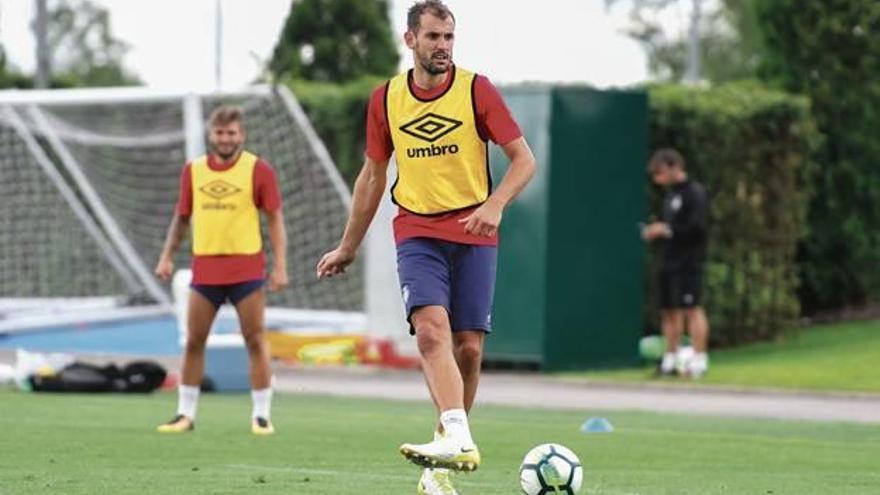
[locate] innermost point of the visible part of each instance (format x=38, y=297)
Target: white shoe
x=698, y=365
x=436, y=482
x=667, y=366
x=683, y=360
x=443, y=453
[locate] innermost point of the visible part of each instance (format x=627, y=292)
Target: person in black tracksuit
x=680, y=238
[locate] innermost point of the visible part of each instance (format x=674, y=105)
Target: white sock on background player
x=699, y=364
x=262, y=400
x=668, y=363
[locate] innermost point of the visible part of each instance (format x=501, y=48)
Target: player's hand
x=655, y=230
x=164, y=269
x=278, y=278
x=484, y=221
x=334, y=262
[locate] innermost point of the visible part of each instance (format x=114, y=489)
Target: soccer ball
x=550, y=469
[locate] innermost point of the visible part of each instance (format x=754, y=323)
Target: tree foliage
x=727, y=40
x=83, y=48
x=829, y=50
x=335, y=41
x=11, y=77
x=338, y=112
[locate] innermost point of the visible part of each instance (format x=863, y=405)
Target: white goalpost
x=90, y=180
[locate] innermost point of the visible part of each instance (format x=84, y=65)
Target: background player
x=221, y=194
x=681, y=239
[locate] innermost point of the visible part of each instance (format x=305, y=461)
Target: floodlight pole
x=692, y=71
x=41, y=78
x=218, y=45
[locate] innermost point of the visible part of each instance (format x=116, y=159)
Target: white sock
x=700, y=362
x=262, y=403
x=668, y=364
x=455, y=425
x=187, y=400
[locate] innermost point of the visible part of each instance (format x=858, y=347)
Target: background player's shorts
x=680, y=288
x=459, y=277
x=234, y=293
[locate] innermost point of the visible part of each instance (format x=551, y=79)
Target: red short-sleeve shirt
x=494, y=123
x=231, y=269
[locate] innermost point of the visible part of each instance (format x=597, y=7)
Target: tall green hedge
x=751, y=147
x=339, y=112
x=829, y=50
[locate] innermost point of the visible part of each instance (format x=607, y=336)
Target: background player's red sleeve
x=184, y=201
x=494, y=121
x=266, y=194
x=379, y=145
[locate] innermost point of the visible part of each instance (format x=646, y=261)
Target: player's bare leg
x=468, y=352
x=251, y=318
x=200, y=317
x=698, y=329
x=469, y=357
x=456, y=449
x=434, y=340
x=672, y=322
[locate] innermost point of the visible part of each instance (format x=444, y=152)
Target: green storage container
x=570, y=272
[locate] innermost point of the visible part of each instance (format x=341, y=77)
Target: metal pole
x=692, y=71
x=41, y=78
x=193, y=126
x=218, y=46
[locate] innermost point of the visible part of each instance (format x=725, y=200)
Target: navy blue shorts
x=459, y=277
x=234, y=293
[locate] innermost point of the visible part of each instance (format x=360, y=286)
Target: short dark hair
x=669, y=157
x=226, y=114
x=433, y=7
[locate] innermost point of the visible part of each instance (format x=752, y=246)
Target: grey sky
x=510, y=41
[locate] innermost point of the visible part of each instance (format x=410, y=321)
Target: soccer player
x=437, y=118
x=681, y=241
x=221, y=195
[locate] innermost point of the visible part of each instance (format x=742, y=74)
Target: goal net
x=90, y=181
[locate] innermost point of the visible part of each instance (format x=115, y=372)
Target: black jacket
x=686, y=211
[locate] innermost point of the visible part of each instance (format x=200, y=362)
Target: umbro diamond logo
x=430, y=127
x=219, y=189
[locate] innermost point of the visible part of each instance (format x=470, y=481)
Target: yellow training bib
x=442, y=162
x=225, y=219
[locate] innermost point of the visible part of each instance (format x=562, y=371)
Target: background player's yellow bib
x=225, y=219
x=442, y=163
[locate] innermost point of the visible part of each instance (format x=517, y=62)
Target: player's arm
x=278, y=239
x=496, y=123
x=486, y=219
x=368, y=190
x=173, y=238
x=179, y=225
x=267, y=197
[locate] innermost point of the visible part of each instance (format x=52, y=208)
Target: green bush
x=751, y=148
x=826, y=51
x=339, y=112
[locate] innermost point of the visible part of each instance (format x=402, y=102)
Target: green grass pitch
x=80, y=444
x=841, y=357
